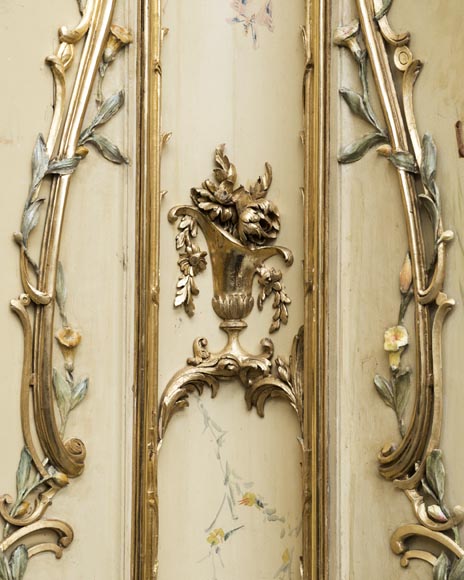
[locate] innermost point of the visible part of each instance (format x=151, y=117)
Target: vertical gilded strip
x=145, y=507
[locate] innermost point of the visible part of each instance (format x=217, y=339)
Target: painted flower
x=193, y=261
x=348, y=36
x=286, y=556
x=119, y=38
x=250, y=499
x=395, y=338
x=250, y=16
x=216, y=537
x=406, y=275
x=68, y=340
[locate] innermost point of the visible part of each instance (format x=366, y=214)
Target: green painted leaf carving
x=61, y=290
x=109, y=151
x=63, y=394
x=435, y=473
x=64, y=166
x=4, y=568
x=18, y=562
x=384, y=10
x=107, y=111
x=40, y=161
x=358, y=106
x=402, y=392
x=358, y=149
x=79, y=392
x=404, y=160
x=30, y=218
x=385, y=390
x=457, y=570
x=429, y=165
x=24, y=471
x=440, y=570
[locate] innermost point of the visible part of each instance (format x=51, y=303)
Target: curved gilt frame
x=415, y=464
x=151, y=415
x=48, y=460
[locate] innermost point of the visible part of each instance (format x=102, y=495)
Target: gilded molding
x=48, y=460
x=262, y=378
x=415, y=463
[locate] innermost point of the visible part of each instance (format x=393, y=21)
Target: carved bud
x=406, y=275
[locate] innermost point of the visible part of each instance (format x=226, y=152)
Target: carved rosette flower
x=193, y=261
x=259, y=222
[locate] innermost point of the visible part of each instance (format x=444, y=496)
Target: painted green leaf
x=63, y=394
x=358, y=149
x=107, y=111
x=4, y=568
x=435, y=473
x=230, y=532
x=40, y=161
x=429, y=164
x=404, y=160
x=440, y=570
x=402, y=392
x=64, y=166
x=18, y=562
x=384, y=10
x=457, y=570
x=61, y=290
x=24, y=470
x=385, y=390
x=109, y=151
x=79, y=392
x=358, y=106
x=30, y=218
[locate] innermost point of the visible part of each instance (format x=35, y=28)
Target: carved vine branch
x=48, y=461
x=415, y=464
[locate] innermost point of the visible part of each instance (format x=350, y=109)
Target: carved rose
x=258, y=222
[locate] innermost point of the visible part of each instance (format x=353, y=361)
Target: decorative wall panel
x=247, y=493
x=65, y=268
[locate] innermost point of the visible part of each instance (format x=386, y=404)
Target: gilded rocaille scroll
x=415, y=463
x=50, y=391
x=238, y=225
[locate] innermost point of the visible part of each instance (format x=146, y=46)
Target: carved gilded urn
x=239, y=225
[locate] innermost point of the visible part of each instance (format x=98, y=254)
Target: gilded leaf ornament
x=415, y=464
x=48, y=461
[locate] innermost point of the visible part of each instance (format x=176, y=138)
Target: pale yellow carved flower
x=396, y=340
x=119, y=38
x=348, y=36
x=68, y=340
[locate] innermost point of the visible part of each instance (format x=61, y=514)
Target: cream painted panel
x=97, y=254
x=368, y=243
x=218, y=88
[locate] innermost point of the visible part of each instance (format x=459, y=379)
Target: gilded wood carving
x=414, y=464
x=49, y=460
x=244, y=223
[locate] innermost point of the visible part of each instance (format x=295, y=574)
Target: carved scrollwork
x=48, y=460
x=415, y=464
